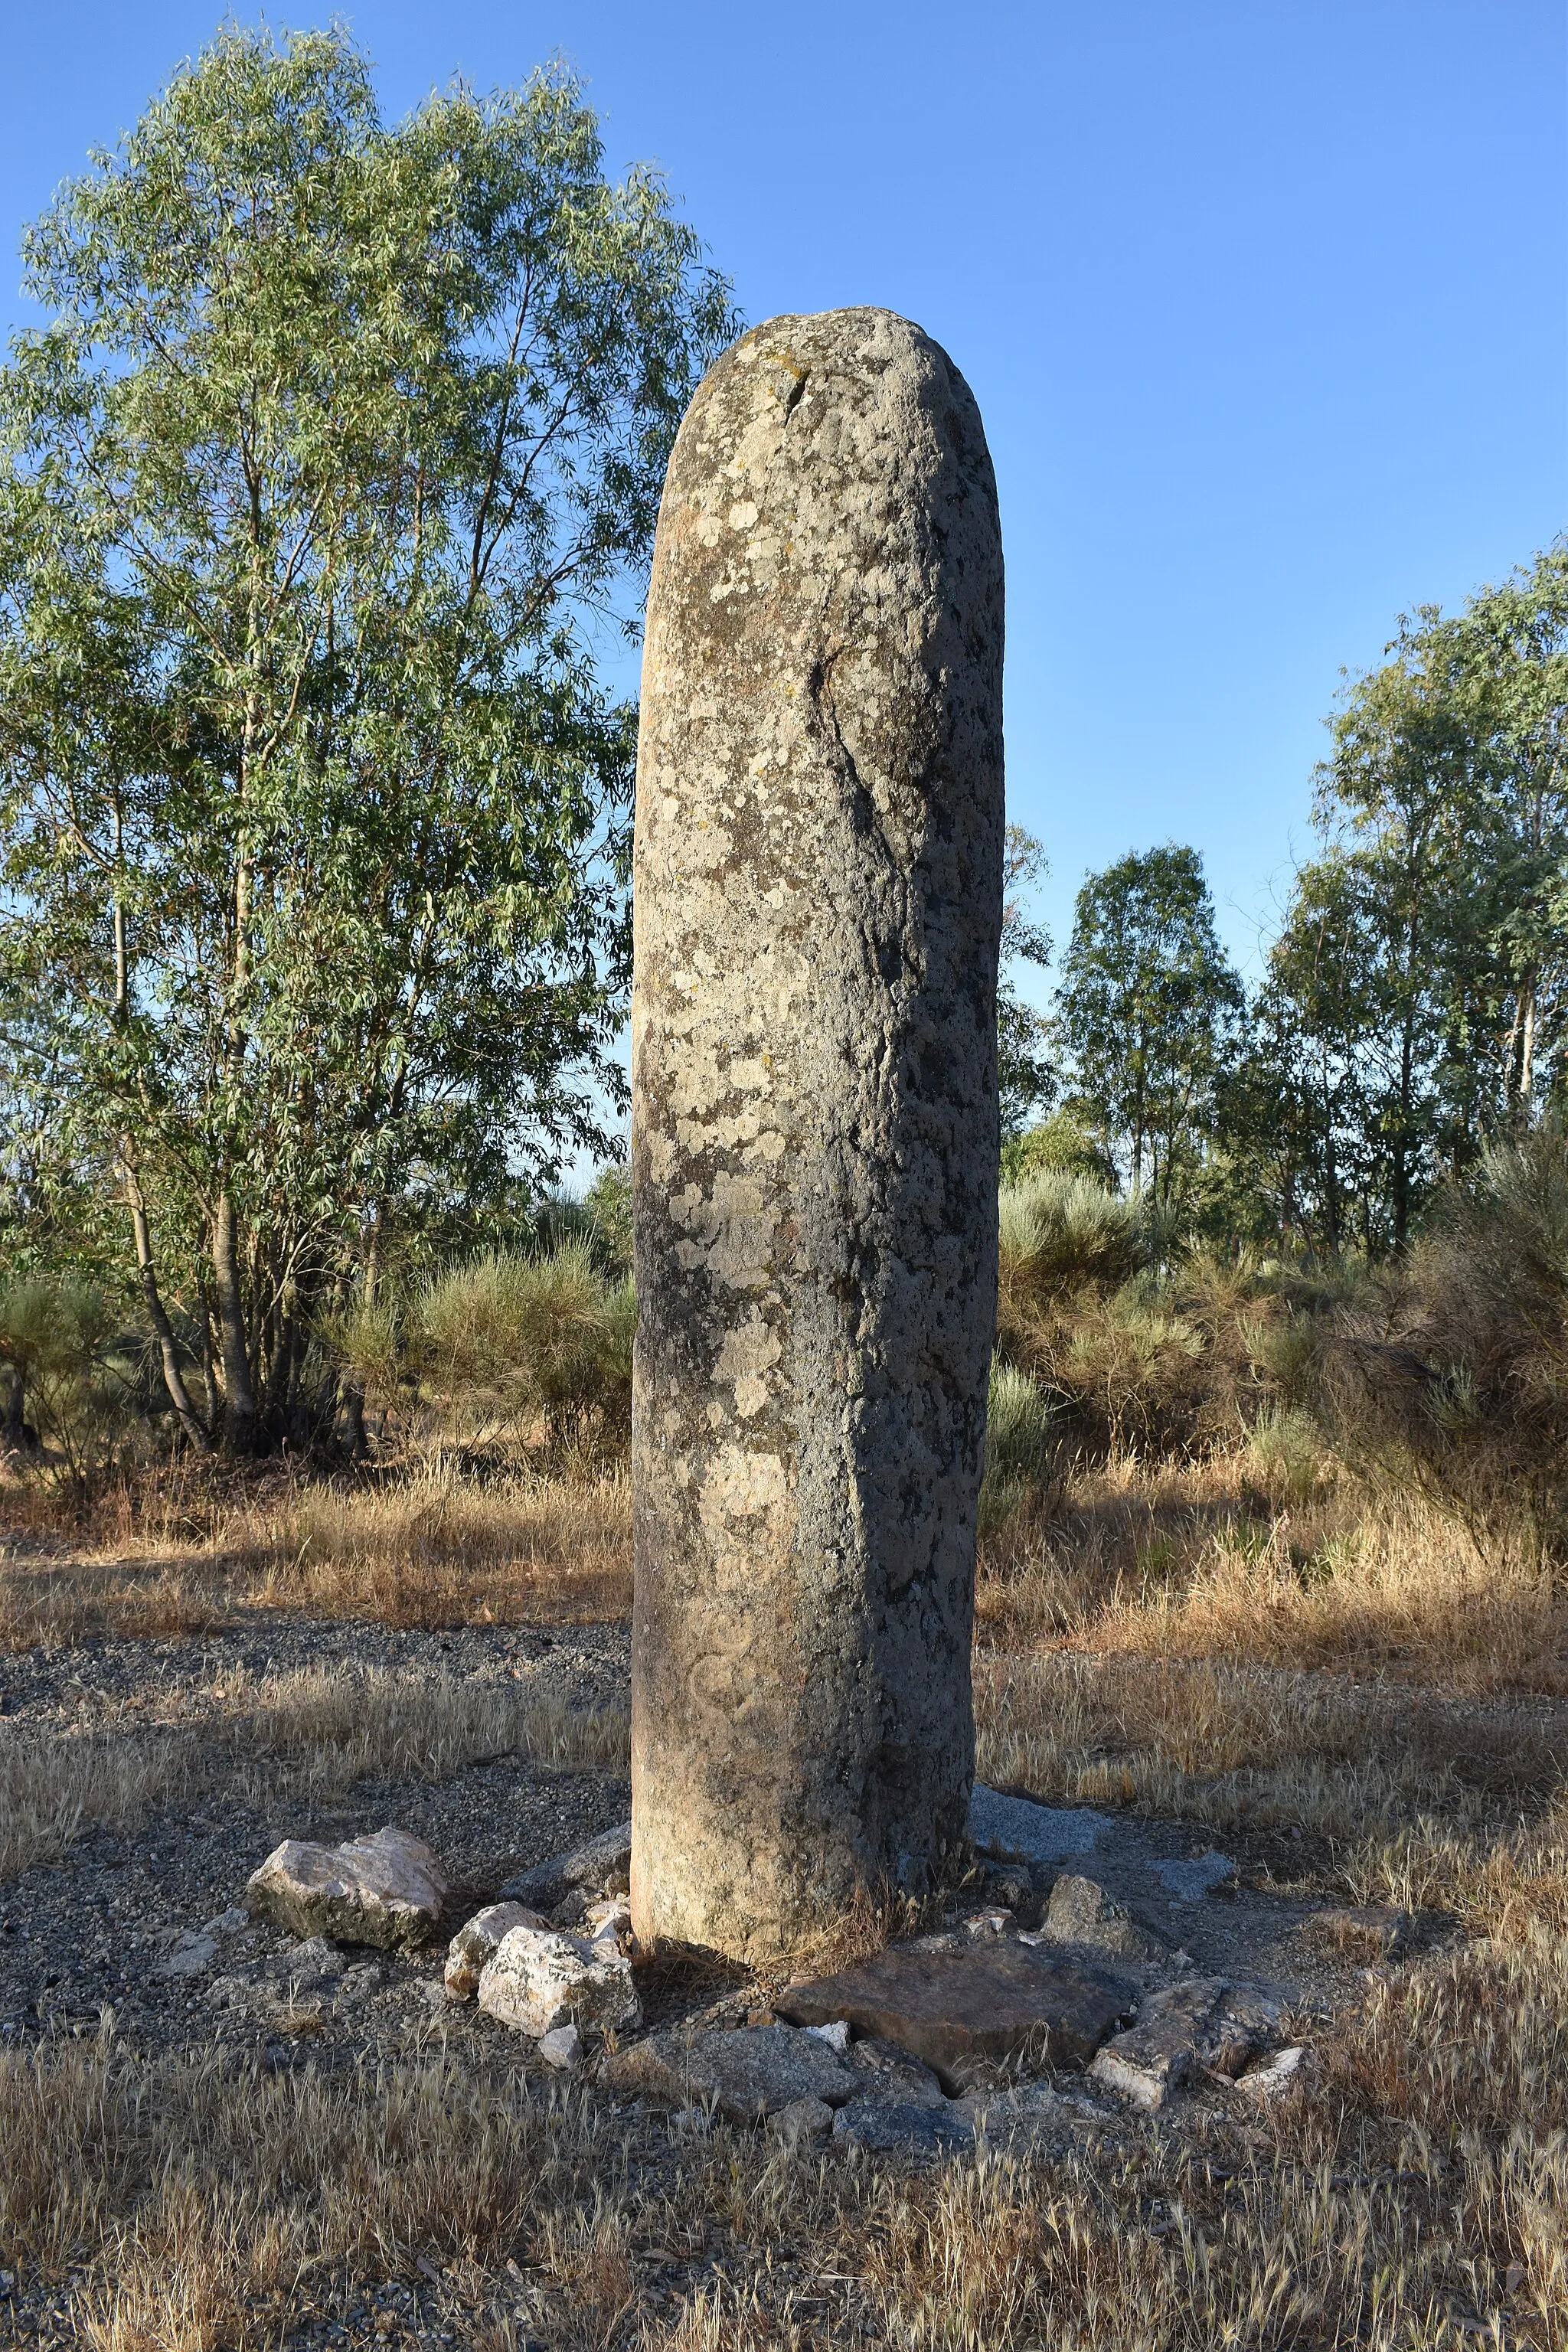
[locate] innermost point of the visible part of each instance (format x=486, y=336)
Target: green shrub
x=1021, y=1429
x=1450, y=1374
x=513, y=1335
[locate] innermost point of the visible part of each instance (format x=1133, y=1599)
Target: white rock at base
x=477, y=1942
x=562, y=2046
x=386, y=1890
x=836, y=2035
x=538, y=1978
x=1272, y=2077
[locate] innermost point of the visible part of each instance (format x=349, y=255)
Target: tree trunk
x=239, y=1397
x=157, y=1315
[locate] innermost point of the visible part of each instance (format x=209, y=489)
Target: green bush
x=1021, y=1430
x=514, y=1335
x=1450, y=1374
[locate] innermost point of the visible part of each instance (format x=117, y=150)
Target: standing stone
x=819, y=833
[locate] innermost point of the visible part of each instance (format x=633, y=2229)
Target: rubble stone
x=1160, y=2053
x=889, y=2076
x=538, y=1978
x=1273, y=2077
x=562, y=2046
x=804, y=2123
x=745, y=2071
x=1201, y=2026
x=870, y=2125
x=598, y=1867
x=1081, y=1912
x=476, y=1943
x=385, y=1890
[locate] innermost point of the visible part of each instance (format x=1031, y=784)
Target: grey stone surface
x=744, y=2071
x=1162, y=2051
x=999, y=1999
x=1019, y=1828
x=1274, y=2078
x=1189, y=1882
x=1202, y=2026
x=477, y=1942
x=1081, y=1912
x=804, y=2123
x=819, y=833
x=385, y=1890
x=887, y=2075
x=538, y=1978
x=597, y=1868
x=562, y=2046
x=903, y=2129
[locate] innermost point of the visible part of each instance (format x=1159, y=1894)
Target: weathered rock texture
x=818, y=894
x=386, y=1890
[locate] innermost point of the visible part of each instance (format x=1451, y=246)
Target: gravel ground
x=93, y=1930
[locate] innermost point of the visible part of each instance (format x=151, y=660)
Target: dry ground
x=1344, y=1690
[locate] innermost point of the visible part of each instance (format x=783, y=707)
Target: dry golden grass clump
x=314, y=1731
x=433, y=1549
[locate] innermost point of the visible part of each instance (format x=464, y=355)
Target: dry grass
x=1195, y=1561
x=1178, y=1643
x=434, y=1550
x=1414, y=2198
x=316, y=1730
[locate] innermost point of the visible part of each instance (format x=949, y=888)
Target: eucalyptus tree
x=1416, y=1001
x=1025, y=1073
x=344, y=442
x=1152, y=1015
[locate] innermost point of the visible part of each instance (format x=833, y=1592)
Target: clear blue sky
x=1265, y=303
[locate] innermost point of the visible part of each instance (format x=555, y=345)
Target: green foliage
x=311, y=811
x=1062, y=1144
x=508, y=1336
x=1021, y=1452
x=1416, y=998
x=1451, y=1375
x=1151, y=1013
x=1060, y=1233
x=70, y=1381
x=1025, y=1075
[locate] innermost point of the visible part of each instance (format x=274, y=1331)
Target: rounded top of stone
x=862, y=329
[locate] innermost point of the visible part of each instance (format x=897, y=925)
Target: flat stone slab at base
x=905, y=2128
x=599, y=1867
x=1019, y=1828
x=746, y=2071
x=999, y=1999
x=387, y=1891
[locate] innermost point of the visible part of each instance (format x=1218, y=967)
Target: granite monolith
x=818, y=902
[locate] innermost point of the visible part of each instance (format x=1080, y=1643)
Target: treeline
x=1412, y=1005
x=342, y=444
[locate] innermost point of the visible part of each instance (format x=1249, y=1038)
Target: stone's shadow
x=679, y=1980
